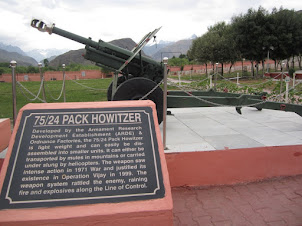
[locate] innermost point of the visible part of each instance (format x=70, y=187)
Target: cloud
x=114, y=19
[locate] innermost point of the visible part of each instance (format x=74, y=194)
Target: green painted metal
x=215, y=99
x=204, y=101
x=277, y=106
x=211, y=93
x=110, y=56
x=177, y=99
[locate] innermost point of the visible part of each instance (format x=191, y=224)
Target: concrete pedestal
x=145, y=212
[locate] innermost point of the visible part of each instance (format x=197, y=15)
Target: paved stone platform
x=221, y=128
x=272, y=202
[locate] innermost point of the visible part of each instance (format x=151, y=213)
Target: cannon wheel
x=136, y=88
x=109, y=90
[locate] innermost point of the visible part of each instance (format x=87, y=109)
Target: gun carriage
x=137, y=76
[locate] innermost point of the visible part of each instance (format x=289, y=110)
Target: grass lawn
x=79, y=91
x=74, y=93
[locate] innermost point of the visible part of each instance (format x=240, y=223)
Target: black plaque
x=83, y=156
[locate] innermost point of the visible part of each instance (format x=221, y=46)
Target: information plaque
x=83, y=156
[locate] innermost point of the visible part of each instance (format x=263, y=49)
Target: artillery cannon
x=140, y=77
x=135, y=75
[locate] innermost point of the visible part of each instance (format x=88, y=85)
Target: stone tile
x=200, y=123
x=178, y=133
x=174, y=125
x=284, y=126
x=214, y=131
x=175, y=111
x=188, y=137
x=282, y=114
x=242, y=123
x=176, y=221
x=295, y=118
x=171, y=118
x=187, y=219
x=290, y=218
x=231, y=142
x=210, y=128
x=204, y=221
x=261, y=117
x=210, y=110
x=277, y=223
x=268, y=136
x=202, y=146
x=258, y=206
x=269, y=215
x=297, y=134
x=189, y=115
x=218, y=214
x=225, y=117
x=224, y=223
x=290, y=193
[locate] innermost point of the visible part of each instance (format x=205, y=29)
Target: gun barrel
x=41, y=26
x=74, y=37
x=101, y=52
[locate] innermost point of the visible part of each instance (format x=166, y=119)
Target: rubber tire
x=136, y=88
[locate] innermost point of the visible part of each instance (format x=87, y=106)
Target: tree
x=253, y=34
x=199, y=52
x=178, y=61
x=217, y=45
x=287, y=33
x=31, y=69
x=46, y=62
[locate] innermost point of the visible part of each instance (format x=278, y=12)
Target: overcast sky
x=114, y=19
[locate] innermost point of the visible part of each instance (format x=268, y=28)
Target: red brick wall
x=201, y=69
x=55, y=75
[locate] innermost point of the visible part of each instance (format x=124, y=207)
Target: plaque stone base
x=5, y=133
x=99, y=163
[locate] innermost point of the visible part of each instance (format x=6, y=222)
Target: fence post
x=64, y=94
x=165, y=60
x=42, y=79
x=281, y=84
x=13, y=65
x=215, y=82
x=287, y=80
x=294, y=79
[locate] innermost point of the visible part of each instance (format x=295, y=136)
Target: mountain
x=6, y=56
x=72, y=56
x=41, y=54
x=193, y=37
x=125, y=43
x=37, y=54
x=175, y=49
x=49, y=59
x=168, y=48
x=75, y=56
x=13, y=49
x=153, y=48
